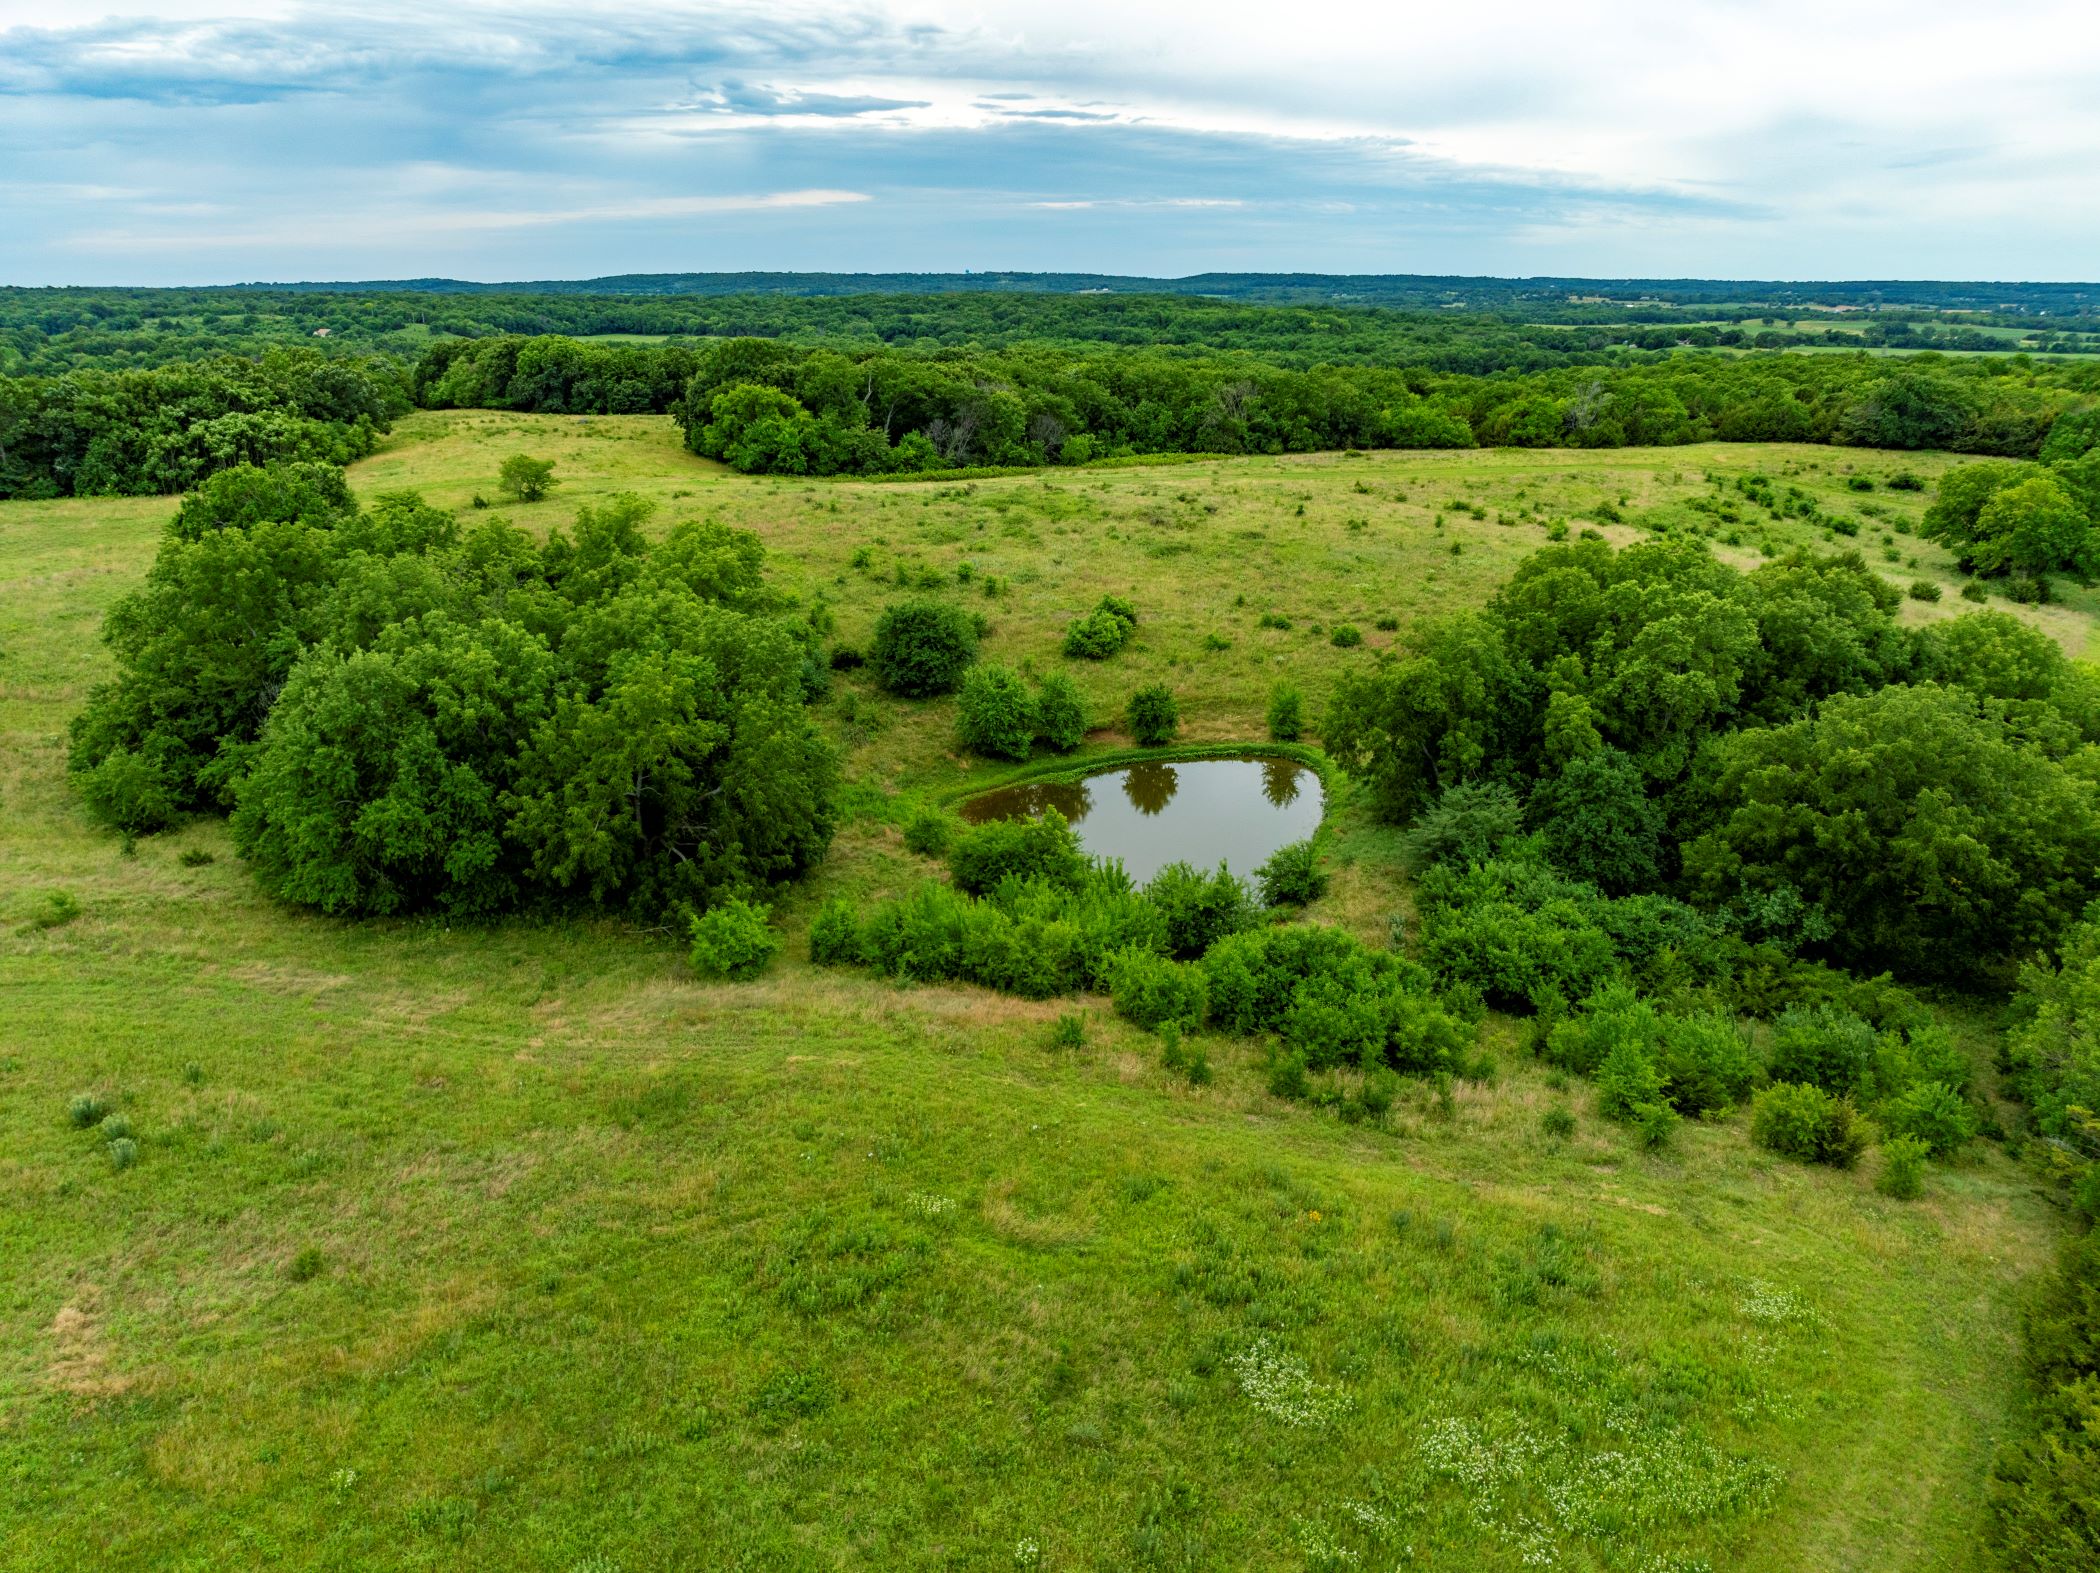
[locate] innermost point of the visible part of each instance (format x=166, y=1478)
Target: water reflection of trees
x=1070, y=798
x=1279, y=781
x=1150, y=788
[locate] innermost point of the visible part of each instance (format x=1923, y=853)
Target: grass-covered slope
x=520, y=1247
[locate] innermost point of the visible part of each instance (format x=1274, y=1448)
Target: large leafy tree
x=1926, y=831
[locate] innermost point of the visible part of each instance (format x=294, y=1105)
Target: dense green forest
x=773, y=406
x=1483, y=330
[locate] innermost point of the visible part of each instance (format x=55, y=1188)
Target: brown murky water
x=1195, y=811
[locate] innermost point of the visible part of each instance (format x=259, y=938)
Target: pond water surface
x=1195, y=811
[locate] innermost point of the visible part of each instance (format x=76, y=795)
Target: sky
x=218, y=141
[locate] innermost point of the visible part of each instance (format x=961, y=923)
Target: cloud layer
x=187, y=141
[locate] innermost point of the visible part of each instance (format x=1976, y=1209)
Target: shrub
x=1557, y=1123
x=1905, y=481
x=1333, y=998
x=1707, y=1062
x=123, y=1153
x=56, y=910
x=1375, y=1097
x=1653, y=1124
x=114, y=1126
x=86, y=1111
x=1974, y=591
x=1924, y=590
x=1292, y=876
x=305, y=1265
x=1199, y=909
x=929, y=832
x=1346, y=636
x=995, y=713
x=1468, y=823
x=834, y=937
x=733, y=939
x=1102, y=632
x=1152, y=715
x=1287, y=1077
x=525, y=478
x=1068, y=1031
x=1627, y=1080
x=1060, y=714
x=1596, y=821
x=1800, y=1120
x=1041, y=848
x=1286, y=713
x=196, y=857
x=1824, y=1046
x=1903, y=1167
x=1932, y=1113
x=1198, y=1067
x=1150, y=990
x=1095, y=637
x=2045, y=1485
x=922, y=648
x=846, y=657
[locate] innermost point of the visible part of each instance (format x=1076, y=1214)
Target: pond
x=1194, y=811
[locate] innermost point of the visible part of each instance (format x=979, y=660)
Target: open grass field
x=520, y=1247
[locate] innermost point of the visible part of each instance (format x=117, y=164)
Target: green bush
x=2045, y=1485
x=1151, y=990
x=86, y=1111
x=1292, y=876
x=1040, y=848
x=1924, y=590
x=1800, y=1120
x=1654, y=1124
x=1830, y=1048
x=1103, y=632
x=733, y=939
x=1286, y=713
x=1557, y=1123
x=1469, y=823
x=1345, y=636
x=922, y=648
x=834, y=937
x=1068, y=1031
x=1903, y=1167
x=1199, y=909
x=1287, y=1078
x=1060, y=713
x=1932, y=1113
x=1152, y=715
x=995, y=715
x=929, y=832
x=1707, y=1062
x=1627, y=1080
x=1332, y=998
x=123, y=1152
x=1596, y=821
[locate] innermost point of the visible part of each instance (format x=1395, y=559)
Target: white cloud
x=1642, y=136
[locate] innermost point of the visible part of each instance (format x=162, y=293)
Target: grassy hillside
x=520, y=1247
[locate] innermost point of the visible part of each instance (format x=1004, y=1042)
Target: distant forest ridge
x=1411, y=290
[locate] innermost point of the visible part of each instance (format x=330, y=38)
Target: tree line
x=770, y=406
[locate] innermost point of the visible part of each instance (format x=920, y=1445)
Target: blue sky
x=197, y=142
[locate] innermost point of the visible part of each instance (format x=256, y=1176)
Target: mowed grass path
x=520, y=1247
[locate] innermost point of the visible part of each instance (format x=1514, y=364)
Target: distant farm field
x=520, y=1247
